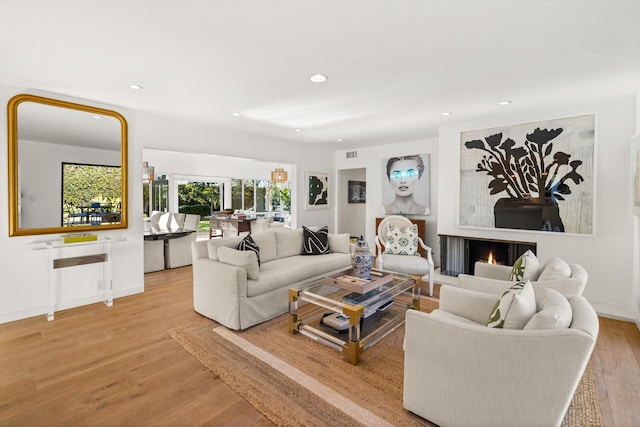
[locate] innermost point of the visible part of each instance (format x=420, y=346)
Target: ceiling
x=393, y=66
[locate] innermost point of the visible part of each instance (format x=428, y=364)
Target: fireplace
x=459, y=254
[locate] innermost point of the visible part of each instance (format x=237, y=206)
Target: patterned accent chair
x=397, y=241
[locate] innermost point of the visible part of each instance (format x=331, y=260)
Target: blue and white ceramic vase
x=362, y=260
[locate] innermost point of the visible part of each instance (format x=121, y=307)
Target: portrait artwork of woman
x=404, y=174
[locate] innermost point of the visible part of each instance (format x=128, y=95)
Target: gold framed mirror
x=67, y=167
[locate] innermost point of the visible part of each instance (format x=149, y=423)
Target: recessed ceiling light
x=298, y=130
x=505, y=102
x=447, y=113
x=318, y=78
x=236, y=114
x=135, y=86
x=339, y=139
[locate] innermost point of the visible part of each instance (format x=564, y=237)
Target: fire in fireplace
x=494, y=252
x=459, y=254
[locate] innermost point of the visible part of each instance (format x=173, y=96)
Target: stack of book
x=371, y=301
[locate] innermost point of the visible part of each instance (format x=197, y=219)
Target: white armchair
x=458, y=372
x=403, y=261
x=568, y=279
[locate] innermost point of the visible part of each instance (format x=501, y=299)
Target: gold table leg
x=353, y=349
x=294, y=322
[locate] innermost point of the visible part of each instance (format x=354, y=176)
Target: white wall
x=607, y=255
x=636, y=241
x=23, y=271
x=351, y=215
x=371, y=159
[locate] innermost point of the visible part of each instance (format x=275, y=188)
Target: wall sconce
x=147, y=172
x=279, y=175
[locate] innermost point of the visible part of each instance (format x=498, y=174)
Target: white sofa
x=459, y=372
x=223, y=292
x=569, y=279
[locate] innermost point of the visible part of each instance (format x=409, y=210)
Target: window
x=86, y=184
x=262, y=196
x=236, y=194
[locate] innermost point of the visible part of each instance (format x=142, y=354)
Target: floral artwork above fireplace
x=533, y=176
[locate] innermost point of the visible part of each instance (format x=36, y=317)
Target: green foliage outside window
x=280, y=197
x=85, y=184
x=199, y=198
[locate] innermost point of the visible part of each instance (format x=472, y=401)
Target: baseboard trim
x=42, y=310
x=614, y=312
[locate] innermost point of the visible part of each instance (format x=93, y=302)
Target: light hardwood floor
x=96, y=365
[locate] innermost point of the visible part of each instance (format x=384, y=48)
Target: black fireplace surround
x=459, y=254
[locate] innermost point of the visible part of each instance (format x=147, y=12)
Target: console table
x=233, y=226
x=57, y=259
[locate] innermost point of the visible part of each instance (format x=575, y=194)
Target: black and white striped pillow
x=248, y=244
x=315, y=242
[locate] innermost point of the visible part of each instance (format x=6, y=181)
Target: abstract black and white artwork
x=530, y=176
x=317, y=191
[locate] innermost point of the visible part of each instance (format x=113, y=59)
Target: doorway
x=352, y=203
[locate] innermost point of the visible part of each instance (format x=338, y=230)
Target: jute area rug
x=296, y=381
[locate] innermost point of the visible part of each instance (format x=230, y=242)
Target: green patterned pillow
x=526, y=267
x=514, y=308
x=401, y=242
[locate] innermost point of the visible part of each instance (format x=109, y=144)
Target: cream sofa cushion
x=214, y=244
x=248, y=244
x=266, y=241
x=554, y=268
x=244, y=259
x=289, y=243
x=339, y=243
x=554, y=311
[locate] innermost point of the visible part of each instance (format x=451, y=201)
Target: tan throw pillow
x=244, y=259
x=554, y=311
x=514, y=308
x=526, y=267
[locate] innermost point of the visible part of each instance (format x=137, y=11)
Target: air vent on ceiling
x=352, y=154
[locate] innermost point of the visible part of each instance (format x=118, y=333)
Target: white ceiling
x=393, y=66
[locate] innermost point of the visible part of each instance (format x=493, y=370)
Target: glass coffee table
x=348, y=317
